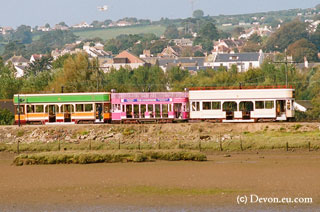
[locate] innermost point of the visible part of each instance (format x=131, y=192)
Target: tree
x=62, y=23
x=47, y=25
x=79, y=74
x=303, y=48
x=39, y=65
x=198, y=14
x=315, y=38
x=23, y=34
x=171, y=32
x=9, y=84
x=158, y=46
x=237, y=31
x=209, y=31
x=286, y=35
x=255, y=38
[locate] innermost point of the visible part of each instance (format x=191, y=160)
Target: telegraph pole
x=286, y=65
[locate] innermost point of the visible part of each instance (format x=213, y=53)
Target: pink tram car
x=149, y=107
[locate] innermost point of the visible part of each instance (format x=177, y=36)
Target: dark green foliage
x=39, y=65
x=106, y=157
x=198, y=14
x=22, y=34
x=6, y=117
x=286, y=35
x=171, y=32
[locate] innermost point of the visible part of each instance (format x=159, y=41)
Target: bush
x=106, y=157
x=6, y=117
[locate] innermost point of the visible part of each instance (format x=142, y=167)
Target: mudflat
x=214, y=183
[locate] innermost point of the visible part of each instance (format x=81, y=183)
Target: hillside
x=114, y=32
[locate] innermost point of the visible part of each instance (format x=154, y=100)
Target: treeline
x=78, y=73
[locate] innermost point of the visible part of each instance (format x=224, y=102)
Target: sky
x=39, y=12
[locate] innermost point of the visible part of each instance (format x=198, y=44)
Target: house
x=243, y=61
x=60, y=27
x=124, y=59
x=43, y=29
x=96, y=51
x=302, y=105
x=35, y=57
x=189, y=63
x=20, y=64
x=182, y=42
x=81, y=25
x=7, y=30
x=227, y=45
x=123, y=23
x=262, y=31
x=180, y=51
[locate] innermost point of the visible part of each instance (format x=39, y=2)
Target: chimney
x=306, y=63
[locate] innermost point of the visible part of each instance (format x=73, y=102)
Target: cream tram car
x=242, y=105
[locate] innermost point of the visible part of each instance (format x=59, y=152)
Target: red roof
x=131, y=57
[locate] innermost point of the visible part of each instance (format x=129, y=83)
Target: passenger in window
x=99, y=112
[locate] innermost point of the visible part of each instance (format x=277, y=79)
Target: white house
x=20, y=64
x=243, y=61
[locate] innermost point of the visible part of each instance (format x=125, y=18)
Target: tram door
x=52, y=113
x=99, y=111
x=177, y=110
x=280, y=107
x=67, y=113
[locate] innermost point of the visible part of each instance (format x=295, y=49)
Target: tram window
x=150, y=108
x=79, y=107
x=269, y=104
x=230, y=106
x=88, y=107
x=288, y=105
x=170, y=107
x=39, y=109
x=30, y=108
x=106, y=108
x=165, y=110
x=259, y=104
x=216, y=105
x=21, y=109
x=195, y=106
x=206, y=105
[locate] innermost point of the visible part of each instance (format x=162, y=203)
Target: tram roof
x=62, y=97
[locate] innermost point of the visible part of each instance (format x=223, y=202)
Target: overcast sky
x=39, y=12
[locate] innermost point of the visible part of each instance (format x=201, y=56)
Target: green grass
x=105, y=157
x=109, y=33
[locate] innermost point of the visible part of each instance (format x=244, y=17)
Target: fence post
x=119, y=143
x=18, y=148
x=309, y=146
x=241, y=147
x=220, y=140
x=90, y=145
x=287, y=146
x=59, y=146
x=200, y=145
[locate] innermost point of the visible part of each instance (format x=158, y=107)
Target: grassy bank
x=105, y=157
x=263, y=140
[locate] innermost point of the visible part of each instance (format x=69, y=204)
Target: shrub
x=6, y=117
